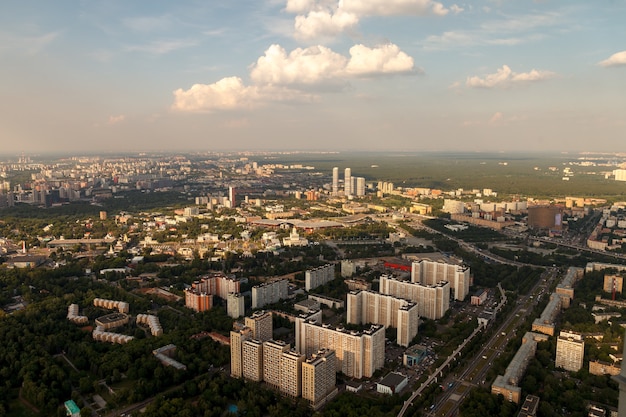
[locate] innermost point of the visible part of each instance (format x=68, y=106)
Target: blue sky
x=410, y=75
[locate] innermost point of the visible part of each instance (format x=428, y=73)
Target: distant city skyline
x=366, y=75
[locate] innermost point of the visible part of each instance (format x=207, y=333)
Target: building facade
x=269, y=293
x=570, y=350
x=433, y=300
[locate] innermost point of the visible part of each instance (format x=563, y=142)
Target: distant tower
x=232, y=194
x=335, y=180
x=347, y=182
x=360, y=186
x=621, y=380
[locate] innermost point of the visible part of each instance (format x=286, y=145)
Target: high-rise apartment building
x=269, y=293
x=570, y=349
x=431, y=272
x=360, y=187
x=319, y=377
x=272, y=355
x=335, y=187
x=235, y=305
x=359, y=354
x=261, y=325
x=237, y=338
x=386, y=310
x=232, y=195
x=433, y=300
x=347, y=182
x=313, y=278
x=291, y=373
x=252, y=360
x=200, y=296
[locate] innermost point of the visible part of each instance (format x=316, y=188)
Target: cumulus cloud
x=505, y=77
x=279, y=76
x=384, y=59
x=229, y=94
x=615, y=60
x=319, y=64
x=326, y=18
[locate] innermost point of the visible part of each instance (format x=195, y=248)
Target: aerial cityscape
x=318, y=208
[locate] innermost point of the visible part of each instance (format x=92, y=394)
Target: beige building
x=570, y=350
x=291, y=373
x=431, y=272
x=319, y=377
x=433, y=300
x=272, y=355
x=235, y=305
x=613, y=282
x=237, y=337
x=252, y=359
x=261, y=324
x=359, y=354
x=371, y=307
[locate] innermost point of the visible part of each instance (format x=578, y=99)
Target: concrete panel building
x=269, y=293
x=252, y=359
x=431, y=272
x=433, y=300
x=359, y=354
x=235, y=305
x=272, y=355
x=570, y=350
x=371, y=307
x=319, y=377
x=261, y=325
x=291, y=373
x=237, y=338
x=313, y=278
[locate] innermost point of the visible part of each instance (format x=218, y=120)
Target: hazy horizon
x=313, y=75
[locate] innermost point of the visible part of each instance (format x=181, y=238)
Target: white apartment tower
x=237, y=338
x=272, y=355
x=360, y=187
x=433, y=300
x=235, y=305
x=386, y=310
x=252, y=358
x=319, y=377
x=431, y=272
x=261, y=325
x=313, y=278
x=359, y=354
x=347, y=182
x=291, y=373
x=269, y=293
x=570, y=349
x=335, y=188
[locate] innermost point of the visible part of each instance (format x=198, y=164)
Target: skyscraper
x=360, y=187
x=335, y=181
x=347, y=182
x=232, y=195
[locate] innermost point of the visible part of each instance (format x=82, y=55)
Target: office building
x=319, y=377
x=235, y=305
x=269, y=293
x=570, y=349
x=291, y=373
x=261, y=325
x=335, y=187
x=237, y=338
x=431, y=272
x=433, y=300
x=252, y=359
x=272, y=355
x=359, y=354
x=386, y=310
x=347, y=182
x=313, y=278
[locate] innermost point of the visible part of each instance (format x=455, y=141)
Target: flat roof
x=392, y=379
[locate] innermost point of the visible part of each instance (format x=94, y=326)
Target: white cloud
x=301, y=66
x=162, y=47
x=505, y=77
x=30, y=45
x=322, y=24
x=321, y=65
x=279, y=76
x=327, y=18
x=116, y=119
x=456, y=9
x=230, y=93
x=393, y=7
x=615, y=60
x=385, y=59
